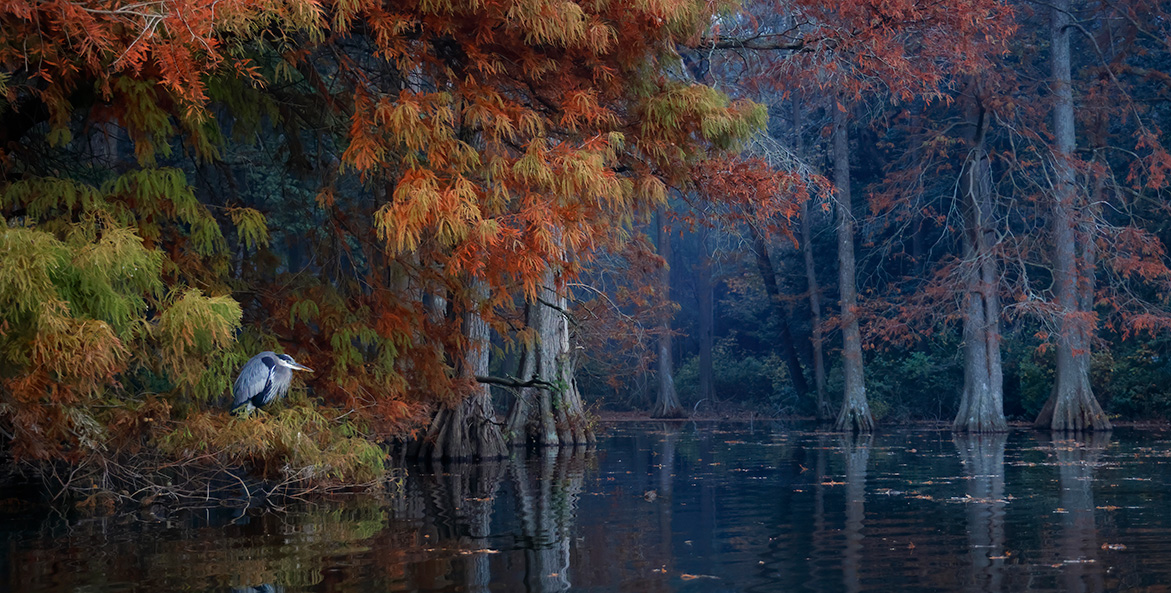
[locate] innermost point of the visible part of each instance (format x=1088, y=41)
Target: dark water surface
x=682, y=507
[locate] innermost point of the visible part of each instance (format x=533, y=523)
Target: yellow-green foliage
x=250, y=227
x=86, y=318
x=296, y=441
x=70, y=307
x=195, y=336
x=147, y=200
x=72, y=304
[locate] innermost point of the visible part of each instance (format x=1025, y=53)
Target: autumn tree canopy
x=441, y=205
x=449, y=159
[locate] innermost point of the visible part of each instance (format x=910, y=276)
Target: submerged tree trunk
x=667, y=400
x=855, y=413
x=1071, y=405
x=468, y=430
x=982, y=403
x=548, y=413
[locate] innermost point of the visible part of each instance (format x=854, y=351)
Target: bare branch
x=514, y=383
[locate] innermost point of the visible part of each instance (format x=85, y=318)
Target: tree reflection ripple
x=666, y=507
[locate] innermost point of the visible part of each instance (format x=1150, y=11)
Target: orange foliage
x=749, y=191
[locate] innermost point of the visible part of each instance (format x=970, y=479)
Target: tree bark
x=855, y=413
x=667, y=399
x=768, y=274
x=1071, y=405
x=549, y=414
x=817, y=340
x=469, y=430
x=704, y=294
x=823, y=411
x=982, y=403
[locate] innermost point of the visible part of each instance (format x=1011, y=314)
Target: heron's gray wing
x=255, y=380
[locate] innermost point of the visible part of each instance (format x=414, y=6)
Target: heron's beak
x=300, y=367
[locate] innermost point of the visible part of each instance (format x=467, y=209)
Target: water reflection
x=668, y=507
x=547, y=490
x=857, y=453
x=982, y=456
x=460, y=500
x=1077, y=459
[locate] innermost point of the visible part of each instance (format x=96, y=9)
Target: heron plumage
x=264, y=378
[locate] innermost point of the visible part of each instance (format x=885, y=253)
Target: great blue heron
x=264, y=378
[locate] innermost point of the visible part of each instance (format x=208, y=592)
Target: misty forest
x=488, y=226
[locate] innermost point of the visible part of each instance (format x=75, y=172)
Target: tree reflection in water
x=1078, y=456
x=982, y=456
x=675, y=507
x=856, y=449
x=460, y=498
x=547, y=489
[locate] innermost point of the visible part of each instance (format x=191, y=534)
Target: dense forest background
x=482, y=222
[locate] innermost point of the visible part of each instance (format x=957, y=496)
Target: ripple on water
x=671, y=507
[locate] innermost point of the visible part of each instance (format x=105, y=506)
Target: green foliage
x=71, y=299
x=147, y=200
x=1138, y=381
x=250, y=227
x=90, y=322
x=913, y=385
x=1028, y=378
x=195, y=334
x=759, y=381
x=71, y=307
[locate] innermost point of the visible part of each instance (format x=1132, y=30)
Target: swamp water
x=669, y=507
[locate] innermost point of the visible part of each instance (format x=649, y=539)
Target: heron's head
x=288, y=361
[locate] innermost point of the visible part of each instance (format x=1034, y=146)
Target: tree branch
x=514, y=383
x=760, y=42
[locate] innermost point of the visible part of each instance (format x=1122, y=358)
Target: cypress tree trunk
x=469, y=430
x=855, y=413
x=667, y=400
x=823, y=411
x=550, y=413
x=1071, y=405
x=982, y=403
x=764, y=265
x=704, y=297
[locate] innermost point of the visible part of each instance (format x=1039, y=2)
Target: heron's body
x=264, y=378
